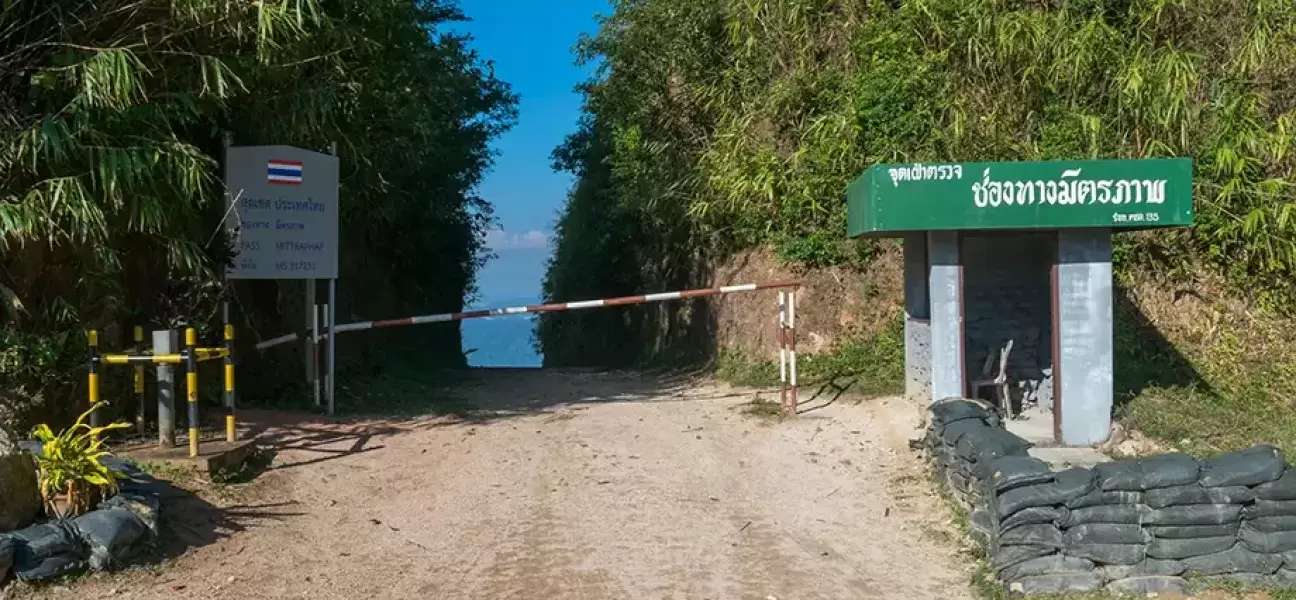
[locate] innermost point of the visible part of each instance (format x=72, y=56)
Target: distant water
x=501, y=341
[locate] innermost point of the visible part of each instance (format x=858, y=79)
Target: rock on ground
x=20, y=500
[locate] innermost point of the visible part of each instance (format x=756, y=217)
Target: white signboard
x=285, y=220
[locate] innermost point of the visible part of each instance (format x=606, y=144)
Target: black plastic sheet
x=109, y=534
x=1253, y=466
x=988, y=444
x=46, y=551
x=1166, y=470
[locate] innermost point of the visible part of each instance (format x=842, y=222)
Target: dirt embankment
x=835, y=304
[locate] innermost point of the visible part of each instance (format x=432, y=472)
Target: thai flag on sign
x=284, y=172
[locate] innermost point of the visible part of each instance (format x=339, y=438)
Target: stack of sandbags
x=961, y=433
x=1028, y=547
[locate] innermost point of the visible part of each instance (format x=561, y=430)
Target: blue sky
x=530, y=44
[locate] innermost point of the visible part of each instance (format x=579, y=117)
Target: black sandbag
x=1151, y=585
x=989, y=443
x=1035, y=515
x=950, y=410
x=1270, y=508
x=1106, y=533
x=1179, y=532
x=145, y=507
x=1097, y=497
x=1121, y=514
x=49, y=567
x=1109, y=554
x=1253, y=466
x=1062, y=583
x=1236, y=560
x=1271, y=524
x=1047, y=565
x=1151, y=566
x=1066, y=485
x=952, y=433
x=1195, y=514
x=1178, y=549
x=1166, y=470
x=1260, y=541
x=109, y=533
x=45, y=540
x=1196, y=494
x=6, y=555
x=1284, y=488
x=1032, y=535
x=1008, y=472
x=1014, y=555
x=982, y=520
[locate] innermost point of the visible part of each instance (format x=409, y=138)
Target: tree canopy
x=113, y=116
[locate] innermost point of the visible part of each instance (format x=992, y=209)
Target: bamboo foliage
x=763, y=111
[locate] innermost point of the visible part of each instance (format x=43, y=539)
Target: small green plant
x=72, y=474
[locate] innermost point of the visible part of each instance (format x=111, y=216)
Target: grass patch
x=872, y=366
x=763, y=408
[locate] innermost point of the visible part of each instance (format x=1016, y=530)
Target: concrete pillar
x=1084, y=330
x=918, y=366
x=946, y=288
x=166, y=342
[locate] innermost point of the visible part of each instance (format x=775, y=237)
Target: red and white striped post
x=787, y=352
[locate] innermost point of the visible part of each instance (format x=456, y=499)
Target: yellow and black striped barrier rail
x=190, y=356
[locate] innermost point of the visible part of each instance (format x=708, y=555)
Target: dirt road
x=608, y=485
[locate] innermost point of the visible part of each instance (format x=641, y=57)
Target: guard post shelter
x=1008, y=277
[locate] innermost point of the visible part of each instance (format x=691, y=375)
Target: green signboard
x=1131, y=194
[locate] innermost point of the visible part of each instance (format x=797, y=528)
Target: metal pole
x=92, y=361
x=783, y=354
x=140, y=413
x=792, y=346
x=332, y=345
x=314, y=350
x=312, y=325
x=191, y=388
x=231, y=424
x=165, y=342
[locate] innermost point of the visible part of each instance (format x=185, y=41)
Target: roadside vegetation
x=113, y=117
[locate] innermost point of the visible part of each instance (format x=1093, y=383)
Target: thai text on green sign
x=1022, y=195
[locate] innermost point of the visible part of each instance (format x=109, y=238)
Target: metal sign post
x=286, y=223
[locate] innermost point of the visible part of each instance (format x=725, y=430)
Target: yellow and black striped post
x=92, y=361
x=231, y=432
x=191, y=387
x=138, y=349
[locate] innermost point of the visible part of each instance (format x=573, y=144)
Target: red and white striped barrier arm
x=540, y=308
